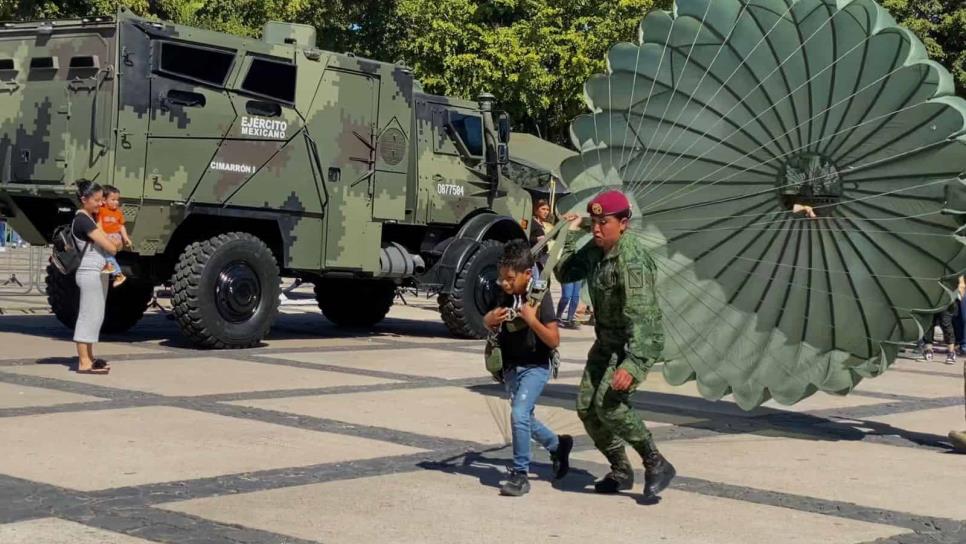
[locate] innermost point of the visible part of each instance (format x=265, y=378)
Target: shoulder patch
x=635, y=278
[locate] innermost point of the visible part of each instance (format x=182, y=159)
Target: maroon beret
x=609, y=203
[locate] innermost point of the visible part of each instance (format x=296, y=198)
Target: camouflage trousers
x=607, y=415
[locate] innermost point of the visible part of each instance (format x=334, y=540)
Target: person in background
x=944, y=320
x=569, y=299
x=539, y=229
x=959, y=323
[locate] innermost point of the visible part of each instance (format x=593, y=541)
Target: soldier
x=621, y=276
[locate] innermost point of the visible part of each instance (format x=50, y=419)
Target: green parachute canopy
x=729, y=112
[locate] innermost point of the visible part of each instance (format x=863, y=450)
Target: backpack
x=65, y=255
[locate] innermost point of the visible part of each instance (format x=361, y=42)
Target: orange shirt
x=111, y=220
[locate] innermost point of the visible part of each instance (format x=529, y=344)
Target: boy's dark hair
x=517, y=256
x=86, y=188
x=626, y=214
x=111, y=190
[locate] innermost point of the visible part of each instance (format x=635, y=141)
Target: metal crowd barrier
x=22, y=269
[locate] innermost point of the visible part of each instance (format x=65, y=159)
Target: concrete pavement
x=399, y=436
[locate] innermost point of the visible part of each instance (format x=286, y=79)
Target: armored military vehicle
x=241, y=161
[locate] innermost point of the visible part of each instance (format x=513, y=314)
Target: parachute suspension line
x=677, y=80
x=728, y=79
x=698, y=334
x=631, y=103
x=865, y=198
x=597, y=142
x=839, y=203
x=759, y=115
x=852, y=168
x=692, y=184
x=657, y=243
x=703, y=294
x=759, y=85
x=685, y=189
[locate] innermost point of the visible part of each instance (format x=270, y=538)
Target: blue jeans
x=525, y=384
x=113, y=261
x=569, y=298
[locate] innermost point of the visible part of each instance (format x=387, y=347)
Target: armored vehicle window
x=43, y=63
x=469, y=128
x=7, y=64
x=202, y=64
x=271, y=79
x=83, y=62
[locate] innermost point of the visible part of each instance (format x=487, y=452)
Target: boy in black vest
x=527, y=353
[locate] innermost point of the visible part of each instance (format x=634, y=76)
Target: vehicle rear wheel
x=355, y=303
x=126, y=303
x=475, y=292
x=226, y=291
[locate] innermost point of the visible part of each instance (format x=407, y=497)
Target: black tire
x=226, y=291
x=474, y=293
x=126, y=304
x=355, y=303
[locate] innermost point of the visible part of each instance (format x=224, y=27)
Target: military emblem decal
x=392, y=146
x=635, y=279
x=597, y=209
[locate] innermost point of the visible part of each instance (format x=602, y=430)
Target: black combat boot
x=516, y=485
x=658, y=473
x=561, y=457
x=620, y=477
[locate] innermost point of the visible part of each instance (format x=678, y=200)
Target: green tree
x=941, y=25
x=535, y=55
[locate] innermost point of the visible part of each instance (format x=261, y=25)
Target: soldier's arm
x=642, y=313
x=575, y=264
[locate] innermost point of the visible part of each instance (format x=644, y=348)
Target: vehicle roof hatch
x=281, y=33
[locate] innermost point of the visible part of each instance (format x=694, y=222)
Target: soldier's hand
x=622, y=380
x=573, y=219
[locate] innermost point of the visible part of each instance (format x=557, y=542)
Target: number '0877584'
x=450, y=189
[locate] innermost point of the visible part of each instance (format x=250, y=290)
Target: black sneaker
x=518, y=484
x=561, y=457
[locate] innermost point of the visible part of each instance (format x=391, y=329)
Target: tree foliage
x=535, y=55
x=941, y=25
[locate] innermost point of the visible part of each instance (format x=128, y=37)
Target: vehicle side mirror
x=502, y=153
x=503, y=128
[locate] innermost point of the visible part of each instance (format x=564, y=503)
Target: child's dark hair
x=86, y=188
x=517, y=256
x=111, y=190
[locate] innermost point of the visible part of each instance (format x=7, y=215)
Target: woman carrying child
x=95, y=247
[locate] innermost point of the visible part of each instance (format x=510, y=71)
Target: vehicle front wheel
x=226, y=291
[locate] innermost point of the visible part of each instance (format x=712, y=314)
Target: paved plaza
x=399, y=436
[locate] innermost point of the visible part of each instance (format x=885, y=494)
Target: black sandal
x=101, y=364
x=94, y=370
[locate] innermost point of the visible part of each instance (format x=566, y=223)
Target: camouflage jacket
x=623, y=295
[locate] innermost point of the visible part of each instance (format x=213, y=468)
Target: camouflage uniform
x=629, y=336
